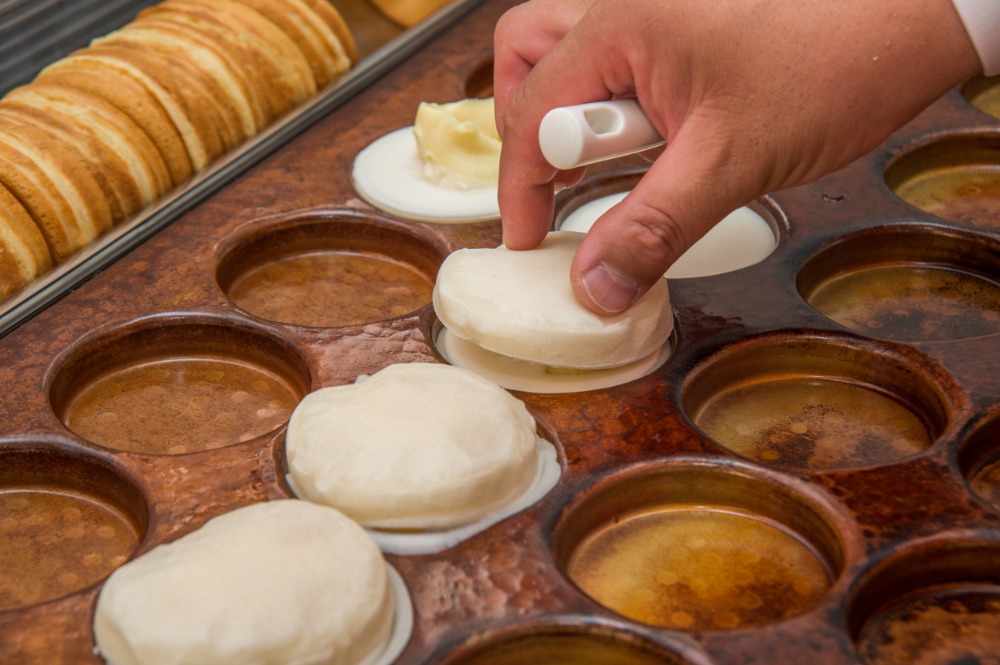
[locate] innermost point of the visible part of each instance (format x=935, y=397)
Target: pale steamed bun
x=414, y=446
x=278, y=582
x=521, y=304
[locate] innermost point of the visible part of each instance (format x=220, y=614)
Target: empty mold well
x=330, y=270
x=908, y=283
x=175, y=384
x=67, y=520
x=479, y=81
x=816, y=402
x=979, y=459
x=699, y=545
x=937, y=603
x=983, y=92
x=551, y=643
x=955, y=177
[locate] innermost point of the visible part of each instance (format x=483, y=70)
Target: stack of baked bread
x=108, y=130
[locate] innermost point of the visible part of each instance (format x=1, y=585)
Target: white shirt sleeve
x=982, y=22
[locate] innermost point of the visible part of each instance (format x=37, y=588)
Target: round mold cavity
x=744, y=238
x=979, y=460
x=908, y=283
x=566, y=642
x=170, y=385
x=330, y=270
x=479, y=81
x=696, y=545
x=936, y=604
x=983, y=92
x=67, y=520
x=806, y=401
x=955, y=177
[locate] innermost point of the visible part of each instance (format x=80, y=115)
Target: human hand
x=752, y=96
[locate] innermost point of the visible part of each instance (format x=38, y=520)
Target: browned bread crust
x=62, y=196
x=103, y=79
x=322, y=46
x=120, y=155
x=23, y=252
x=111, y=128
x=329, y=14
x=271, y=55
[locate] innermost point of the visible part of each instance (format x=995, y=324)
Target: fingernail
x=609, y=289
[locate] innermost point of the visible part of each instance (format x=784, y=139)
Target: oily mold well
x=330, y=269
x=697, y=545
x=935, y=602
x=175, y=384
x=955, y=176
x=908, y=282
x=815, y=401
x=68, y=518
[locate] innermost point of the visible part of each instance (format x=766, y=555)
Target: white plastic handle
x=572, y=136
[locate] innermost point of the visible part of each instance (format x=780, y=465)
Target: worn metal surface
x=884, y=529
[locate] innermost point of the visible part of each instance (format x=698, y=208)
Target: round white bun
x=414, y=446
x=521, y=304
x=276, y=582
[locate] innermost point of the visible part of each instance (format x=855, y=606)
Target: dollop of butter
x=458, y=143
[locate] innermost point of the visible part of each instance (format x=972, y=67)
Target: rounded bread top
x=276, y=582
x=521, y=304
x=415, y=446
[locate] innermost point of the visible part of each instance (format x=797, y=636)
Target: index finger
x=573, y=71
x=523, y=35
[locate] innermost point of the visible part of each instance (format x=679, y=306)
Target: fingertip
x=525, y=212
x=520, y=237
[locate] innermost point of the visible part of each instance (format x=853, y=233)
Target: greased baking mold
x=837, y=530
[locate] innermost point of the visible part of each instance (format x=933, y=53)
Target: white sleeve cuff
x=982, y=22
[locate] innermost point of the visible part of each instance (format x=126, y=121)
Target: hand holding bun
x=752, y=97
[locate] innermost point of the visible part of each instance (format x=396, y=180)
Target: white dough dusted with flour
x=521, y=304
x=281, y=582
x=414, y=446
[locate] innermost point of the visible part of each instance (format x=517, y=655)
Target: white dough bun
x=277, y=582
x=520, y=304
x=415, y=446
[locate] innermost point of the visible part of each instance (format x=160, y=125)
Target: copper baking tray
x=813, y=475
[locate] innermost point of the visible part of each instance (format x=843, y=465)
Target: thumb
x=686, y=191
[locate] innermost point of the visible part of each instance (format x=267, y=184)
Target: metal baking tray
x=382, y=45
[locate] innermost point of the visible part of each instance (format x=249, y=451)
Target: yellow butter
x=458, y=143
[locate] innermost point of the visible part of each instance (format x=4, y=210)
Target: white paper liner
x=387, y=174
x=514, y=374
x=402, y=623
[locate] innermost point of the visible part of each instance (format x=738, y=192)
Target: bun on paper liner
x=520, y=304
x=276, y=582
x=414, y=446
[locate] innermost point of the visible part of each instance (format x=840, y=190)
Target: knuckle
x=657, y=235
